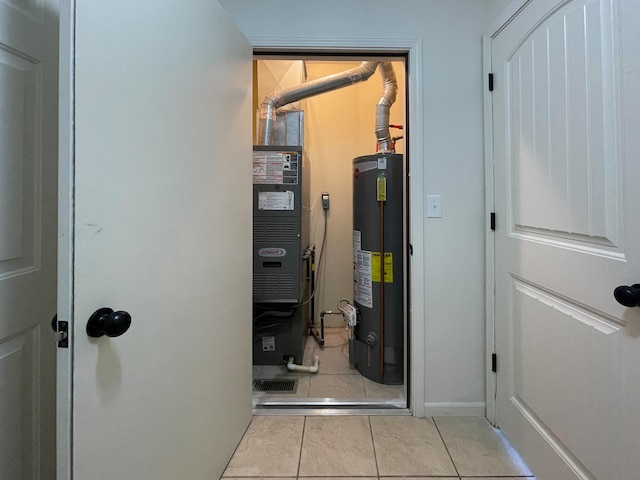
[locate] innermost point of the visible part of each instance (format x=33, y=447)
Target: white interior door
x=156, y=154
x=28, y=159
x=566, y=111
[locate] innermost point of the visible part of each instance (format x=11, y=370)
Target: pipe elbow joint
x=292, y=367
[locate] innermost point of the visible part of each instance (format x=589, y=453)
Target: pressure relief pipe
x=280, y=98
x=292, y=367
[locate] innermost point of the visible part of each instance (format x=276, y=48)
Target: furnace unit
x=280, y=239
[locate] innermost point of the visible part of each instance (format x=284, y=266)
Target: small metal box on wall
x=280, y=223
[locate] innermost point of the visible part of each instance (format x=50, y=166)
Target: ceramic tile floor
x=375, y=447
x=336, y=378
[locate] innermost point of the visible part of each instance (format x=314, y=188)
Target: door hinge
x=493, y=221
x=494, y=362
x=491, y=82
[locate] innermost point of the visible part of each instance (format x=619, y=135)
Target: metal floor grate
x=275, y=386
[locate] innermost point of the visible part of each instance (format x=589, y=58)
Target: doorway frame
x=412, y=49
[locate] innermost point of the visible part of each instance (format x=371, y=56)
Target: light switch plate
x=434, y=206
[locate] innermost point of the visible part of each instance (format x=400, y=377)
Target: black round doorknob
x=628, y=296
x=105, y=321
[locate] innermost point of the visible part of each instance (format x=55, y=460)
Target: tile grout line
x=304, y=426
x=238, y=445
x=446, y=447
x=373, y=445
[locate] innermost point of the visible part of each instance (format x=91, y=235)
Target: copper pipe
x=381, y=288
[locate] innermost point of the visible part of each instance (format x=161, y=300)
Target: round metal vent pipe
x=281, y=98
x=390, y=90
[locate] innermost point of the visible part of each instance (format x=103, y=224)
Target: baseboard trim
x=455, y=409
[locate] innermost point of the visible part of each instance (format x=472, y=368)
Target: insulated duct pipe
x=281, y=98
x=389, y=92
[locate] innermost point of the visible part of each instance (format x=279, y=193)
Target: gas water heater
x=376, y=347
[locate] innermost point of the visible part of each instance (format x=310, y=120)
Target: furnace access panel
x=280, y=223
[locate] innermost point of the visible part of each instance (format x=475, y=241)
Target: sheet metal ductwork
x=390, y=90
x=360, y=73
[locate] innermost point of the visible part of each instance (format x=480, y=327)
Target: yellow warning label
x=382, y=188
x=388, y=267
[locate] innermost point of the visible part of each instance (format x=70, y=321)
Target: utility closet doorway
x=306, y=356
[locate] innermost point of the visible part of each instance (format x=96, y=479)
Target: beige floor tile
x=336, y=386
x=409, y=446
x=498, y=478
x=270, y=447
x=477, y=449
x=273, y=371
x=304, y=383
x=378, y=390
x=337, y=446
x=334, y=357
x=425, y=478
x=343, y=478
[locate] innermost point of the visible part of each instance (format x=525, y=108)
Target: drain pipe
x=292, y=367
x=281, y=98
x=389, y=92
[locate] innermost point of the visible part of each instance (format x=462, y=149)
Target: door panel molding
x=20, y=177
x=554, y=123
x=19, y=415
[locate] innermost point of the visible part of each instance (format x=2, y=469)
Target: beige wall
x=339, y=126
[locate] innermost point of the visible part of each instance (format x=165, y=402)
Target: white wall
x=496, y=7
x=454, y=323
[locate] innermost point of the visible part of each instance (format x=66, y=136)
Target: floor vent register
x=275, y=386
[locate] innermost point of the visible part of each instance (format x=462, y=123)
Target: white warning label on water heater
x=276, y=200
x=362, y=285
x=357, y=241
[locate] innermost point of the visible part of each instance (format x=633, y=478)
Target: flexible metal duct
x=280, y=98
x=390, y=90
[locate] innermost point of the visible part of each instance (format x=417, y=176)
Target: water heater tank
x=377, y=346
